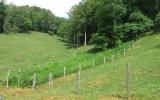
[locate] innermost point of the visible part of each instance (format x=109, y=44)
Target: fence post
x=93, y=62
x=34, y=81
x=64, y=71
x=50, y=79
x=104, y=60
x=128, y=73
x=8, y=78
x=78, y=82
x=19, y=77
x=124, y=52
x=129, y=48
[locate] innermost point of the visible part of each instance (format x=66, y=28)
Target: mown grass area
x=106, y=81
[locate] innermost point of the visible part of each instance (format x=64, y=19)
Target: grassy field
x=43, y=65
x=105, y=81
x=18, y=50
x=24, y=50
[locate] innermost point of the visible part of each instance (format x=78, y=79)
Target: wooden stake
x=50, y=79
x=129, y=48
x=19, y=77
x=128, y=74
x=93, y=62
x=8, y=78
x=85, y=37
x=34, y=81
x=78, y=82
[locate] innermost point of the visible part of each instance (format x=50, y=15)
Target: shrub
x=100, y=41
x=138, y=25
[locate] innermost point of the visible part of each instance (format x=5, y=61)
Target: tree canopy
x=2, y=15
x=105, y=23
x=108, y=23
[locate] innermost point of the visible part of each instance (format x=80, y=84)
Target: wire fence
x=32, y=76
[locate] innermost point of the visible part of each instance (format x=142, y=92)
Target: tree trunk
x=85, y=38
x=157, y=4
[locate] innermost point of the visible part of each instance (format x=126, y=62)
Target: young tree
x=2, y=15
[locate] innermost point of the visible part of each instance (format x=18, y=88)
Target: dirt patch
x=64, y=97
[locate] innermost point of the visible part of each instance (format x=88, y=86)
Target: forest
x=105, y=23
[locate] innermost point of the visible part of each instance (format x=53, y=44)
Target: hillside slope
x=106, y=81
x=20, y=50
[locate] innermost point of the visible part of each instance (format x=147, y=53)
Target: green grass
x=105, y=80
x=80, y=56
x=38, y=51
x=30, y=49
x=23, y=50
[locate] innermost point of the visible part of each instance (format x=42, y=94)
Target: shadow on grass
x=94, y=50
x=67, y=44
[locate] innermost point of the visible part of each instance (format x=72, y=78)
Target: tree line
x=109, y=23
x=105, y=23
x=19, y=19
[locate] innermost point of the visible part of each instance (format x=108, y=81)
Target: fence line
x=50, y=74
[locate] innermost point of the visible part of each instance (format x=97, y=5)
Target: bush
x=100, y=41
x=138, y=25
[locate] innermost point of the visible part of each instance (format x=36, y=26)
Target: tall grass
x=85, y=59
